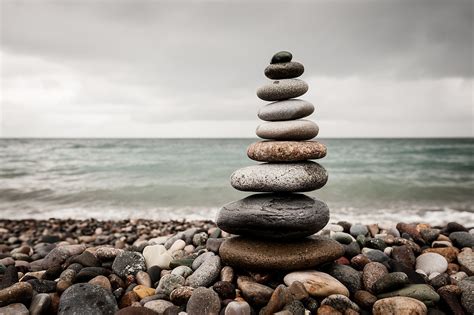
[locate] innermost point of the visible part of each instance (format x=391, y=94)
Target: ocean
x=370, y=180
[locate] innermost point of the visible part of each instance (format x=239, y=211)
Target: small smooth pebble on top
x=281, y=56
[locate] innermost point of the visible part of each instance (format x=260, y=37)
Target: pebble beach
x=151, y=267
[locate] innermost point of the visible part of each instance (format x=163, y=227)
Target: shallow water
x=370, y=180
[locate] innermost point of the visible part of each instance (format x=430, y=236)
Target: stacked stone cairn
x=276, y=227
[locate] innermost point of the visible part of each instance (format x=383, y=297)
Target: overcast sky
x=191, y=68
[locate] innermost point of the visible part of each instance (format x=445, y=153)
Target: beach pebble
x=143, y=278
x=343, y=238
x=107, y=253
x=238, y=308
x=431, y=262
x=365, y=299
x=227, y=274
x=253, y=292
x=224, y=289
x=183, y=271
x=59, y=255
x=87, y=259
x=14, y=309
x=206, y=274
x=200, y=259
x=462, y=239
x=290, y=130
x=317, y=283
x=291, y=255
x=101, y=281
x=399, y=305
x=286, y=70
x=143, y=291
x=274, y=216
x=203, y=301
x=467, y=294
x=282, y=89
x=39, y=304
x=340, y=302
x=403, y=254
x=466, y=260
x=181, y=295
x=358, y=229
x=168, y=283
x=158, y=306
x=375, y=255
x=389, y=282
x=20, y=292
x=85, y=298
x=286, y=151
x=177, y=245
x=348, y=276
x=128, y=263
x=281, y=57
x=373, y=271
x=282, y=177
x=157, y=255
x=421, y=292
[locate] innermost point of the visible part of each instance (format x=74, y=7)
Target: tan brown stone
x=291, y=255
x=286, y=151
x=450, y=253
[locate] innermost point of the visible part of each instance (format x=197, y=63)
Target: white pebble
x=179, y=244
x=431, y=262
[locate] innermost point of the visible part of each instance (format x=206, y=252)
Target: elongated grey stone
x=286, y=110
x=288, y=130
x=281, y=177
x=282, y=90
x=285, y=70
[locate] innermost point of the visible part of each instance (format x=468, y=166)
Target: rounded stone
x=85, y=298
x=347, y=275
x=286, y=151
x=14, y=309
x=168, y=283
x=20, y=292
x=284, y=70
x=203, y=301
x=281, y=56
x=340, y=302
x=399, y=305
x=289, y=255
x=283, y=177
x=286, y=110
x=373, y=271
x=300, y=129
x=462, y=239
x=282, y=90
x=158, y=306
x=317, y=283
x=274, y=216
x=431, y=262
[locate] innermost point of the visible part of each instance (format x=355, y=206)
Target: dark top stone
x=274, y=216
x=281, y=56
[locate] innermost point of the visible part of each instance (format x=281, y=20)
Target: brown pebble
x=365, y=299
x=227, y=274
x=372, y=273
x=280, y=297
x=20, y=292
x=450, y=295
x=328, y=310
x=101, y=281
x=128, y=299
x=452, y=268
x=359, y=261
x=298, y=291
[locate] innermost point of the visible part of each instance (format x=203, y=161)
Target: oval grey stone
x=281, y=177
x=274, y=216
x=206, y=274
x=286, y=110
x=288, y=130
x=286, y=70
x=282, y=90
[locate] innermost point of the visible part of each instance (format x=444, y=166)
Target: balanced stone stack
x=277, y=226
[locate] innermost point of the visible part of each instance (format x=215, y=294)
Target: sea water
x=370, y=180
